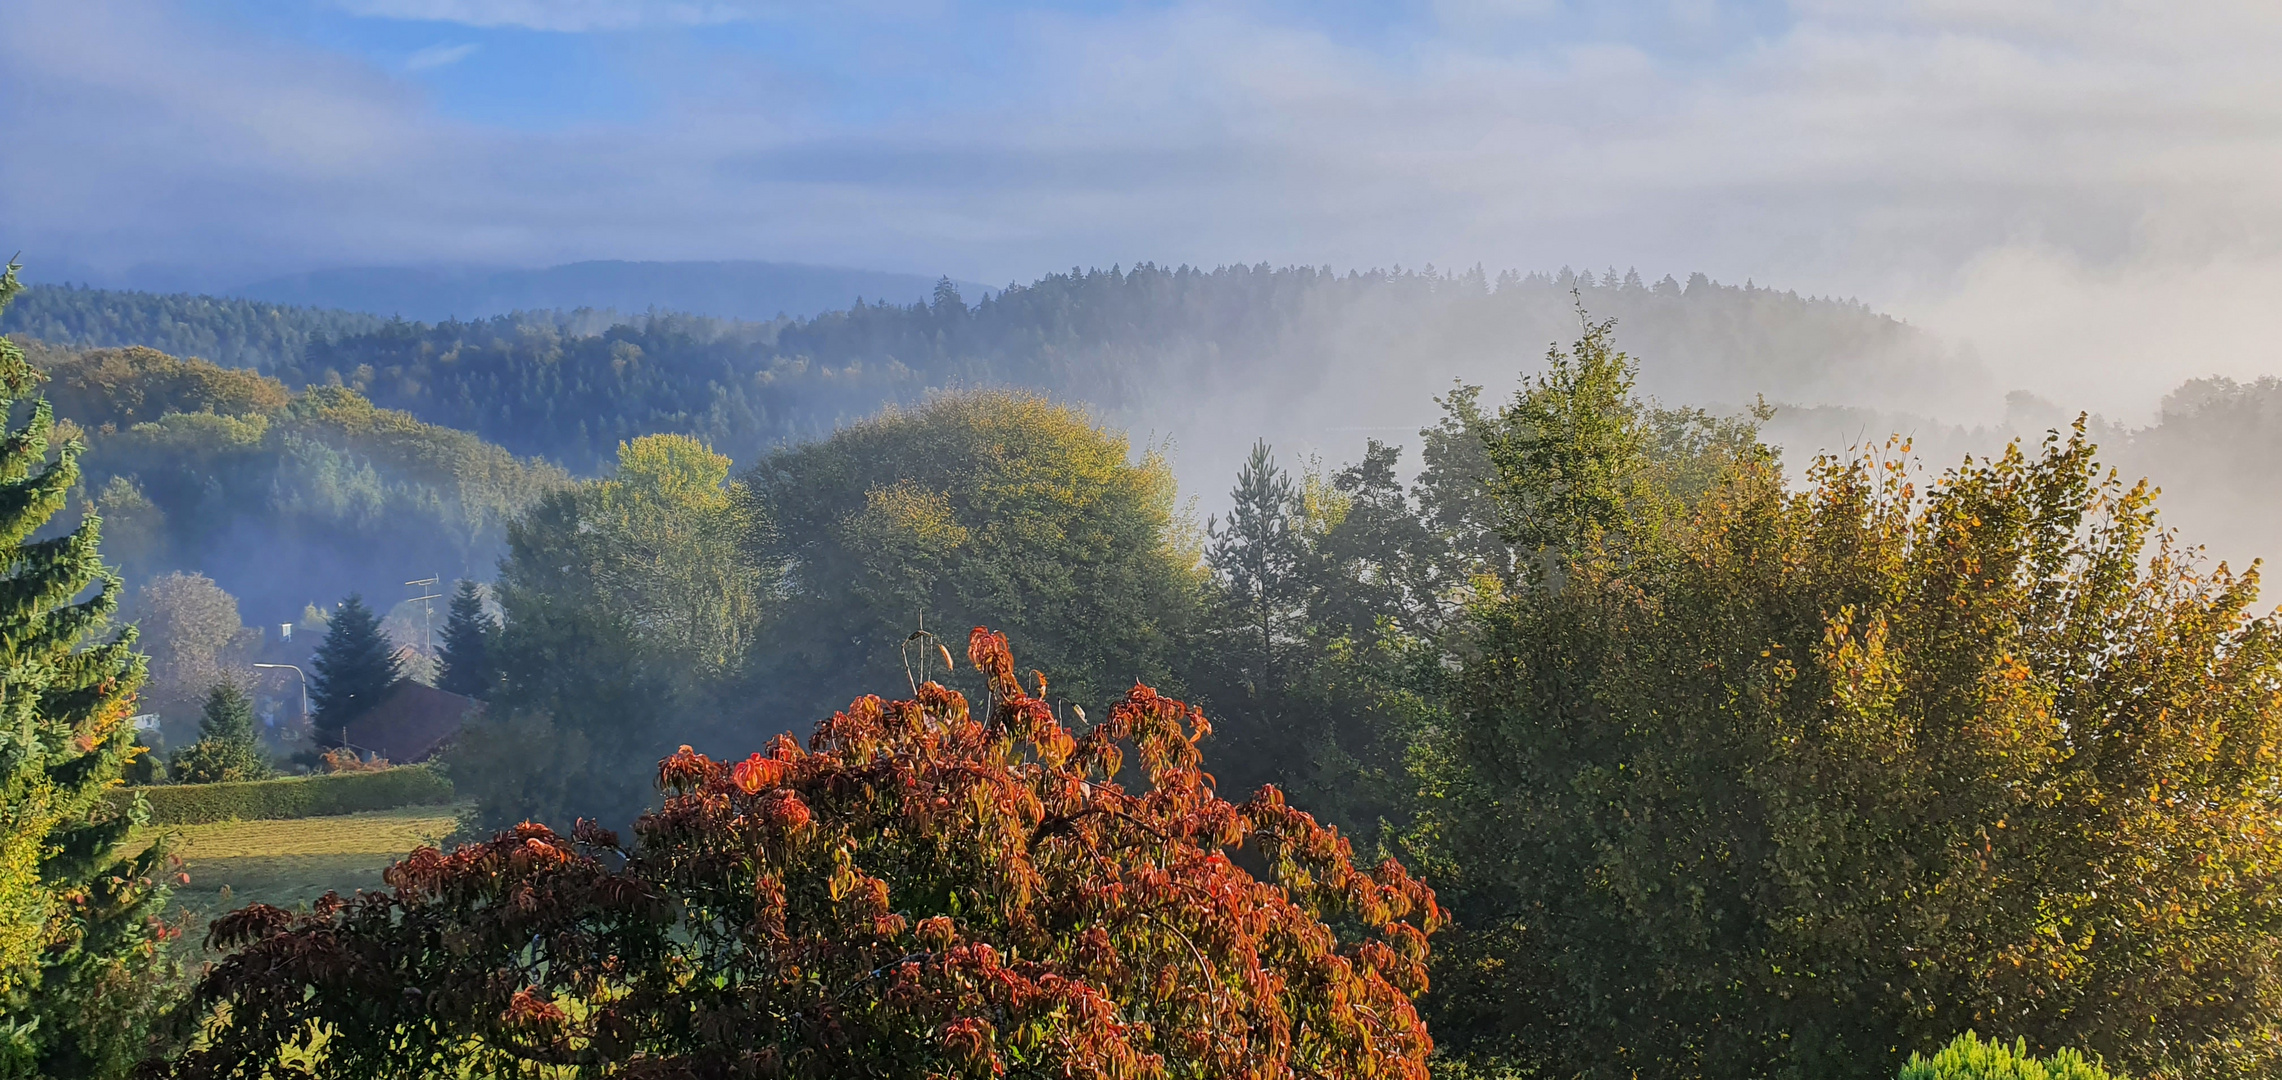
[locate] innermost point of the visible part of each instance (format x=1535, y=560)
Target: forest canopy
x=283, y=498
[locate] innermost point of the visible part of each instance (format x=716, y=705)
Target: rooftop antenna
x=427, y=586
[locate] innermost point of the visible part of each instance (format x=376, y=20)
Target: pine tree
x=468, y=631
x=1260, y=554
x=77, y=954
x=227, y=748
x=229, y=715
x=354, y=667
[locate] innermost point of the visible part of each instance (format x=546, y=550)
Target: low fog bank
x=2167, y=368
x=1346, y=365
x=1197, y=364
x=2210, y=449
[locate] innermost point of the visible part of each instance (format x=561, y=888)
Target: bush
x=921, y=892
x=1968, y=1058
x=292, y=797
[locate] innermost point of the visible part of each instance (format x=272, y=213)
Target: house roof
x=411, y=722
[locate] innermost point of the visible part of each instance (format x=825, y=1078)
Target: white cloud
x=2092, y=191
x=439, y=55
x=558, y=15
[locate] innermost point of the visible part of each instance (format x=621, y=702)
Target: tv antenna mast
x=428, y=595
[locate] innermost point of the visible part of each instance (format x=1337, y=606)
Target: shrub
x=1968, y=1058
x=292, y=797
x=919, y=892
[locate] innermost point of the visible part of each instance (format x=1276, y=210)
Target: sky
x=2088, y=194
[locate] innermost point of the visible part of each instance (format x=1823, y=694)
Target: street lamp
x=304, y=684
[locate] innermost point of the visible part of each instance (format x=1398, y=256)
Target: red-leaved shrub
x=918, y=892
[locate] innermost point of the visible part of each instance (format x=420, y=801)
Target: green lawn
x=292, y=863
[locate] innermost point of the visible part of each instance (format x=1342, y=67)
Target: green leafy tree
x=997, y=507
x=1754, y=782
x=631, y=604
x=1570, y=453
x=81, y=962
x=227, y=746
x=468, y=633
x=354, y=666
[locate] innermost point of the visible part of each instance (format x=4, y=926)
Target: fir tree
x=229, y=715
x=466, y=660
x=354, y=667
x=226, y=748
x=1261, y=554
x=78, y=956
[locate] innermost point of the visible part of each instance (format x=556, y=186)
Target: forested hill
x=1304, y=356
x=733, y=290
x=230, y=332
x=283, y=498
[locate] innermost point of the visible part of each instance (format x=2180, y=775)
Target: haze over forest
x=1195, y=364
x=1437, y=540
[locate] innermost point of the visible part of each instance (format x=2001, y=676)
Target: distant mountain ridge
x=748, y=290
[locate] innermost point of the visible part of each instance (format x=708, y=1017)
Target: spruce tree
x=466, y=667
x=227, y=748
x=77, y=955
x=354, y=667
x=1260, y=554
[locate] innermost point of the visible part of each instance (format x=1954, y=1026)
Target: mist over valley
x=1458, y=540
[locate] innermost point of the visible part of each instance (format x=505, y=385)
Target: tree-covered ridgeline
x=571, y=386
x=281, y=498
x=231, y=332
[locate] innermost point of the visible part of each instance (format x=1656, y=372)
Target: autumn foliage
x=921, y=891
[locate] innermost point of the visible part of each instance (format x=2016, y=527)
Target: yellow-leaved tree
x=1760, y=782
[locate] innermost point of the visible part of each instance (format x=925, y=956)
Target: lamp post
x=304, y=684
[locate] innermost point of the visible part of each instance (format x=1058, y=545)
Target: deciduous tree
x=984, y=507
x=630, y=604
x=922, y=891
x=1762, y=783
x=191, y=627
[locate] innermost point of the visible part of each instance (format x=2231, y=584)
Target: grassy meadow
x=292, y=863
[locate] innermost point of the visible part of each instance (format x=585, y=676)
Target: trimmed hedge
x=1969, y=1058
x=291, y=797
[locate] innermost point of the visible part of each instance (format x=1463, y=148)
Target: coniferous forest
x=859, y=696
